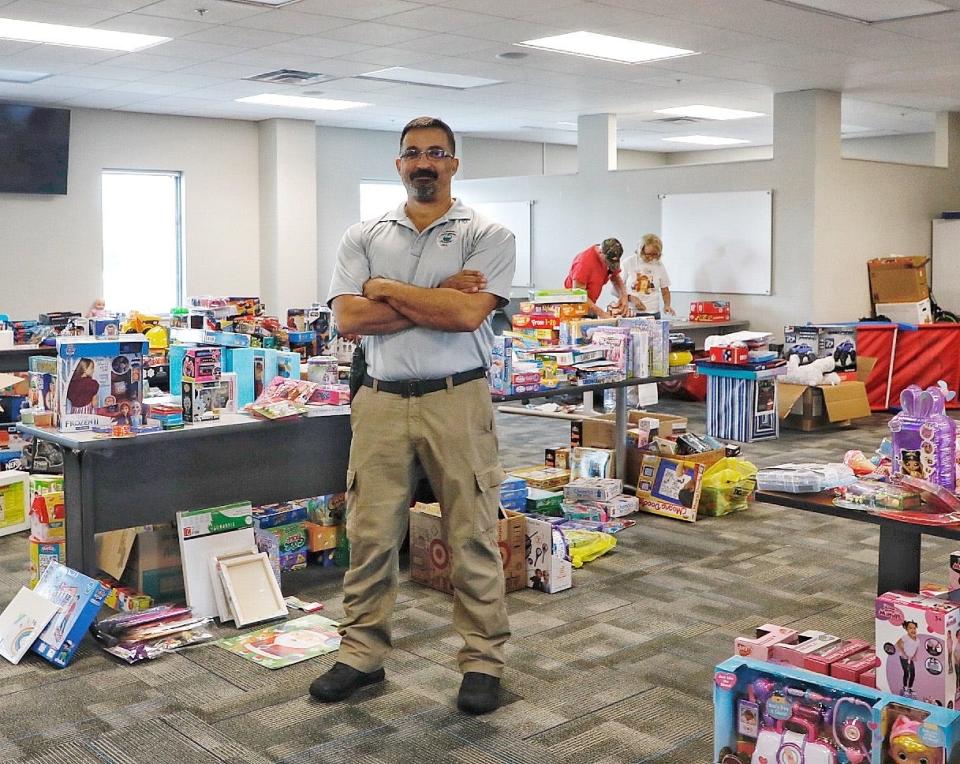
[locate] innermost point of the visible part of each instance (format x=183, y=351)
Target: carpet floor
x=617, y=669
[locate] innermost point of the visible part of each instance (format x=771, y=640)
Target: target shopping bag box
x=430, y=555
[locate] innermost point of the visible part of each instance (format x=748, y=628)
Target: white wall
x=55, y=243
x=916, y=148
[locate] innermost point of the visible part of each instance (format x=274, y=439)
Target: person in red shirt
x=592, y=269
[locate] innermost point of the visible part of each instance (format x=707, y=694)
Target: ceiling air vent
x=291, y=77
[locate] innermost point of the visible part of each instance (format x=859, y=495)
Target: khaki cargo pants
x=451, y=434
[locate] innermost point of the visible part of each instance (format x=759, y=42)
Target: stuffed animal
x=819, y=372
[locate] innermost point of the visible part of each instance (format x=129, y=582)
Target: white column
x=288, y=214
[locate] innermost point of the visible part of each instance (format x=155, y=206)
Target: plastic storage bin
x=804, y=478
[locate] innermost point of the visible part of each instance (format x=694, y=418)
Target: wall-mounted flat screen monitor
x=34, y=148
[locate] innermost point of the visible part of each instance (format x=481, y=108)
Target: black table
x=620, y=409
x=898, y=567
x=114, y=483
x=17, y=358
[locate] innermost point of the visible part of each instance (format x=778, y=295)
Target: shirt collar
x=458, y=211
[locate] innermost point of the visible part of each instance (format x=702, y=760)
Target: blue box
x=175, y=355
x=240, y=362
x=271, y=515
x=80, y=599
x=264, y=369
x=761, y=710
x=106, y=327
x=100, y=382
x=210, y=337
x=288, y=364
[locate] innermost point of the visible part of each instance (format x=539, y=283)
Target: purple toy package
x=924, y=438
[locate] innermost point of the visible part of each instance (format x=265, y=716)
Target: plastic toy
x=816, y=372
x=906, y=744
x=924, y=437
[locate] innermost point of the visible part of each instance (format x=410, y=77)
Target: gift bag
x=726, y=487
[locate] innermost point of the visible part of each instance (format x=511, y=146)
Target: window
x=142, y=241
x=376, y=198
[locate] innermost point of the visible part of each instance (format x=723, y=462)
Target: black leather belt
x=414, y=388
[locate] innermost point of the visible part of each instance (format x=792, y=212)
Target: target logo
x=439, y=554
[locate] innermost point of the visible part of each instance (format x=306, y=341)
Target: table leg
x=621, y=432
x=73, y=508
x=898, y=568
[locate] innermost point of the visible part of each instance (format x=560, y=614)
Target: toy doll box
x=917, y=644
x=100, y=382
x=787, y=715
x=79, y=598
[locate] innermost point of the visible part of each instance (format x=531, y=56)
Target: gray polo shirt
x=391, y=247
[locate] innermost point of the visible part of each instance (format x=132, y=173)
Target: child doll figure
x=98, y=309
x=83, y=388
x=906, y=745
x=907, y=647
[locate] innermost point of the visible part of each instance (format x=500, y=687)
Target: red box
x=820, y=661
x=729, y=354
x=869, y=678
x=715, y=310
x=853, y=666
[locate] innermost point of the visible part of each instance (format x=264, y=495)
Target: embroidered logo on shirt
x=446, y=238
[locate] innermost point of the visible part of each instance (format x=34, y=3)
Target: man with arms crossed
x=419, y=284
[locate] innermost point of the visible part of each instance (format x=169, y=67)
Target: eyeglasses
x=434, y=155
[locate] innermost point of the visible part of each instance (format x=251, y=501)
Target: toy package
x=925, y=438
x=202, y=364
x=200, y=400
x=670, y=487
x=548, y=558
x=80, y=599
x=767, y=714
x=917, y=644
x=14, y=508
x=100, y=382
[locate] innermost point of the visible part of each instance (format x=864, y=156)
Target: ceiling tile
x=511, y=31
x=188, y=52
x=446, y=44
x=104, y=100
x=109, y=71
x=124, y=6
x=56, y=13
x=941, y=27
x=383, y=57
x=240, y=37
x=214, y=13
x=293, y=22
x=512, y=8
x=221, y=69
x=9, y=47
x=148, y=62
x=317, y=46
x=148, y=88
x=359, y=10
x=76, y=81
x=141, y=23
x=184, y=80
x=373, y=33
x=441, y=19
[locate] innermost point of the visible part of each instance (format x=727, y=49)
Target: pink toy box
x=808, y=642
x=917, y=646
x=760, y=646
x=821, y=661
x=202, y=364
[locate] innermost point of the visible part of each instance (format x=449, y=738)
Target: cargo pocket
x=351, y=488
x=488, y=503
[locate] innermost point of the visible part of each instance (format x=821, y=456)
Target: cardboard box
x=767, y=636
x=811, y=408
x=320, y=537
x=906, y=312
x=670, y=487
x=153, y=567
x=898, y=279
x=548, y=565
x=600, y=432
x=430, y=556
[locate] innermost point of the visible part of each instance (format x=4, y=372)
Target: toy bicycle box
x=775, y=714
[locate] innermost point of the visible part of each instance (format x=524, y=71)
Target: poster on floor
x=284, y=644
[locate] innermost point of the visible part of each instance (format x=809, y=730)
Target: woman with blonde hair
x=646, y=280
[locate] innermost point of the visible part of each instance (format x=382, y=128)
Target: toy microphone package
x=100, y=382
x=79, y=599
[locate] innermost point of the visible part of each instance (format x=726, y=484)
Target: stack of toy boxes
x=100, y=382
x=597, y=500
x=200, y=384
x=280, y=530
x=513, y=494
x=325, y=529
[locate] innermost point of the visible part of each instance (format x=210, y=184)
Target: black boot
x=340, y=682
x=479, y=693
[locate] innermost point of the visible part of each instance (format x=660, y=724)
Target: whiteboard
x=718, y=242
x=516, y=217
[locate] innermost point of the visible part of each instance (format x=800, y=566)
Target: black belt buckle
x=411, y=388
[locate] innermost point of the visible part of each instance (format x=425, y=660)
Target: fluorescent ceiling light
x=606, y=48
x=14, y=75
x=870, y=11
x=409, y=76
x=700, y=111
x=568, y=124
x=301, y=102
x=706, y=140
x=79, y=37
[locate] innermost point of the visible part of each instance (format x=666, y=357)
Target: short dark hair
x=427, y=123
x=611, y=248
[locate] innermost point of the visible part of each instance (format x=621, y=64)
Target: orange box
x=321, y=537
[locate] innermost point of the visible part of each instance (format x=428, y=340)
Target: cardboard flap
x=848, y=400
x=865, y=365
x=113, y=550
x=787, y=395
